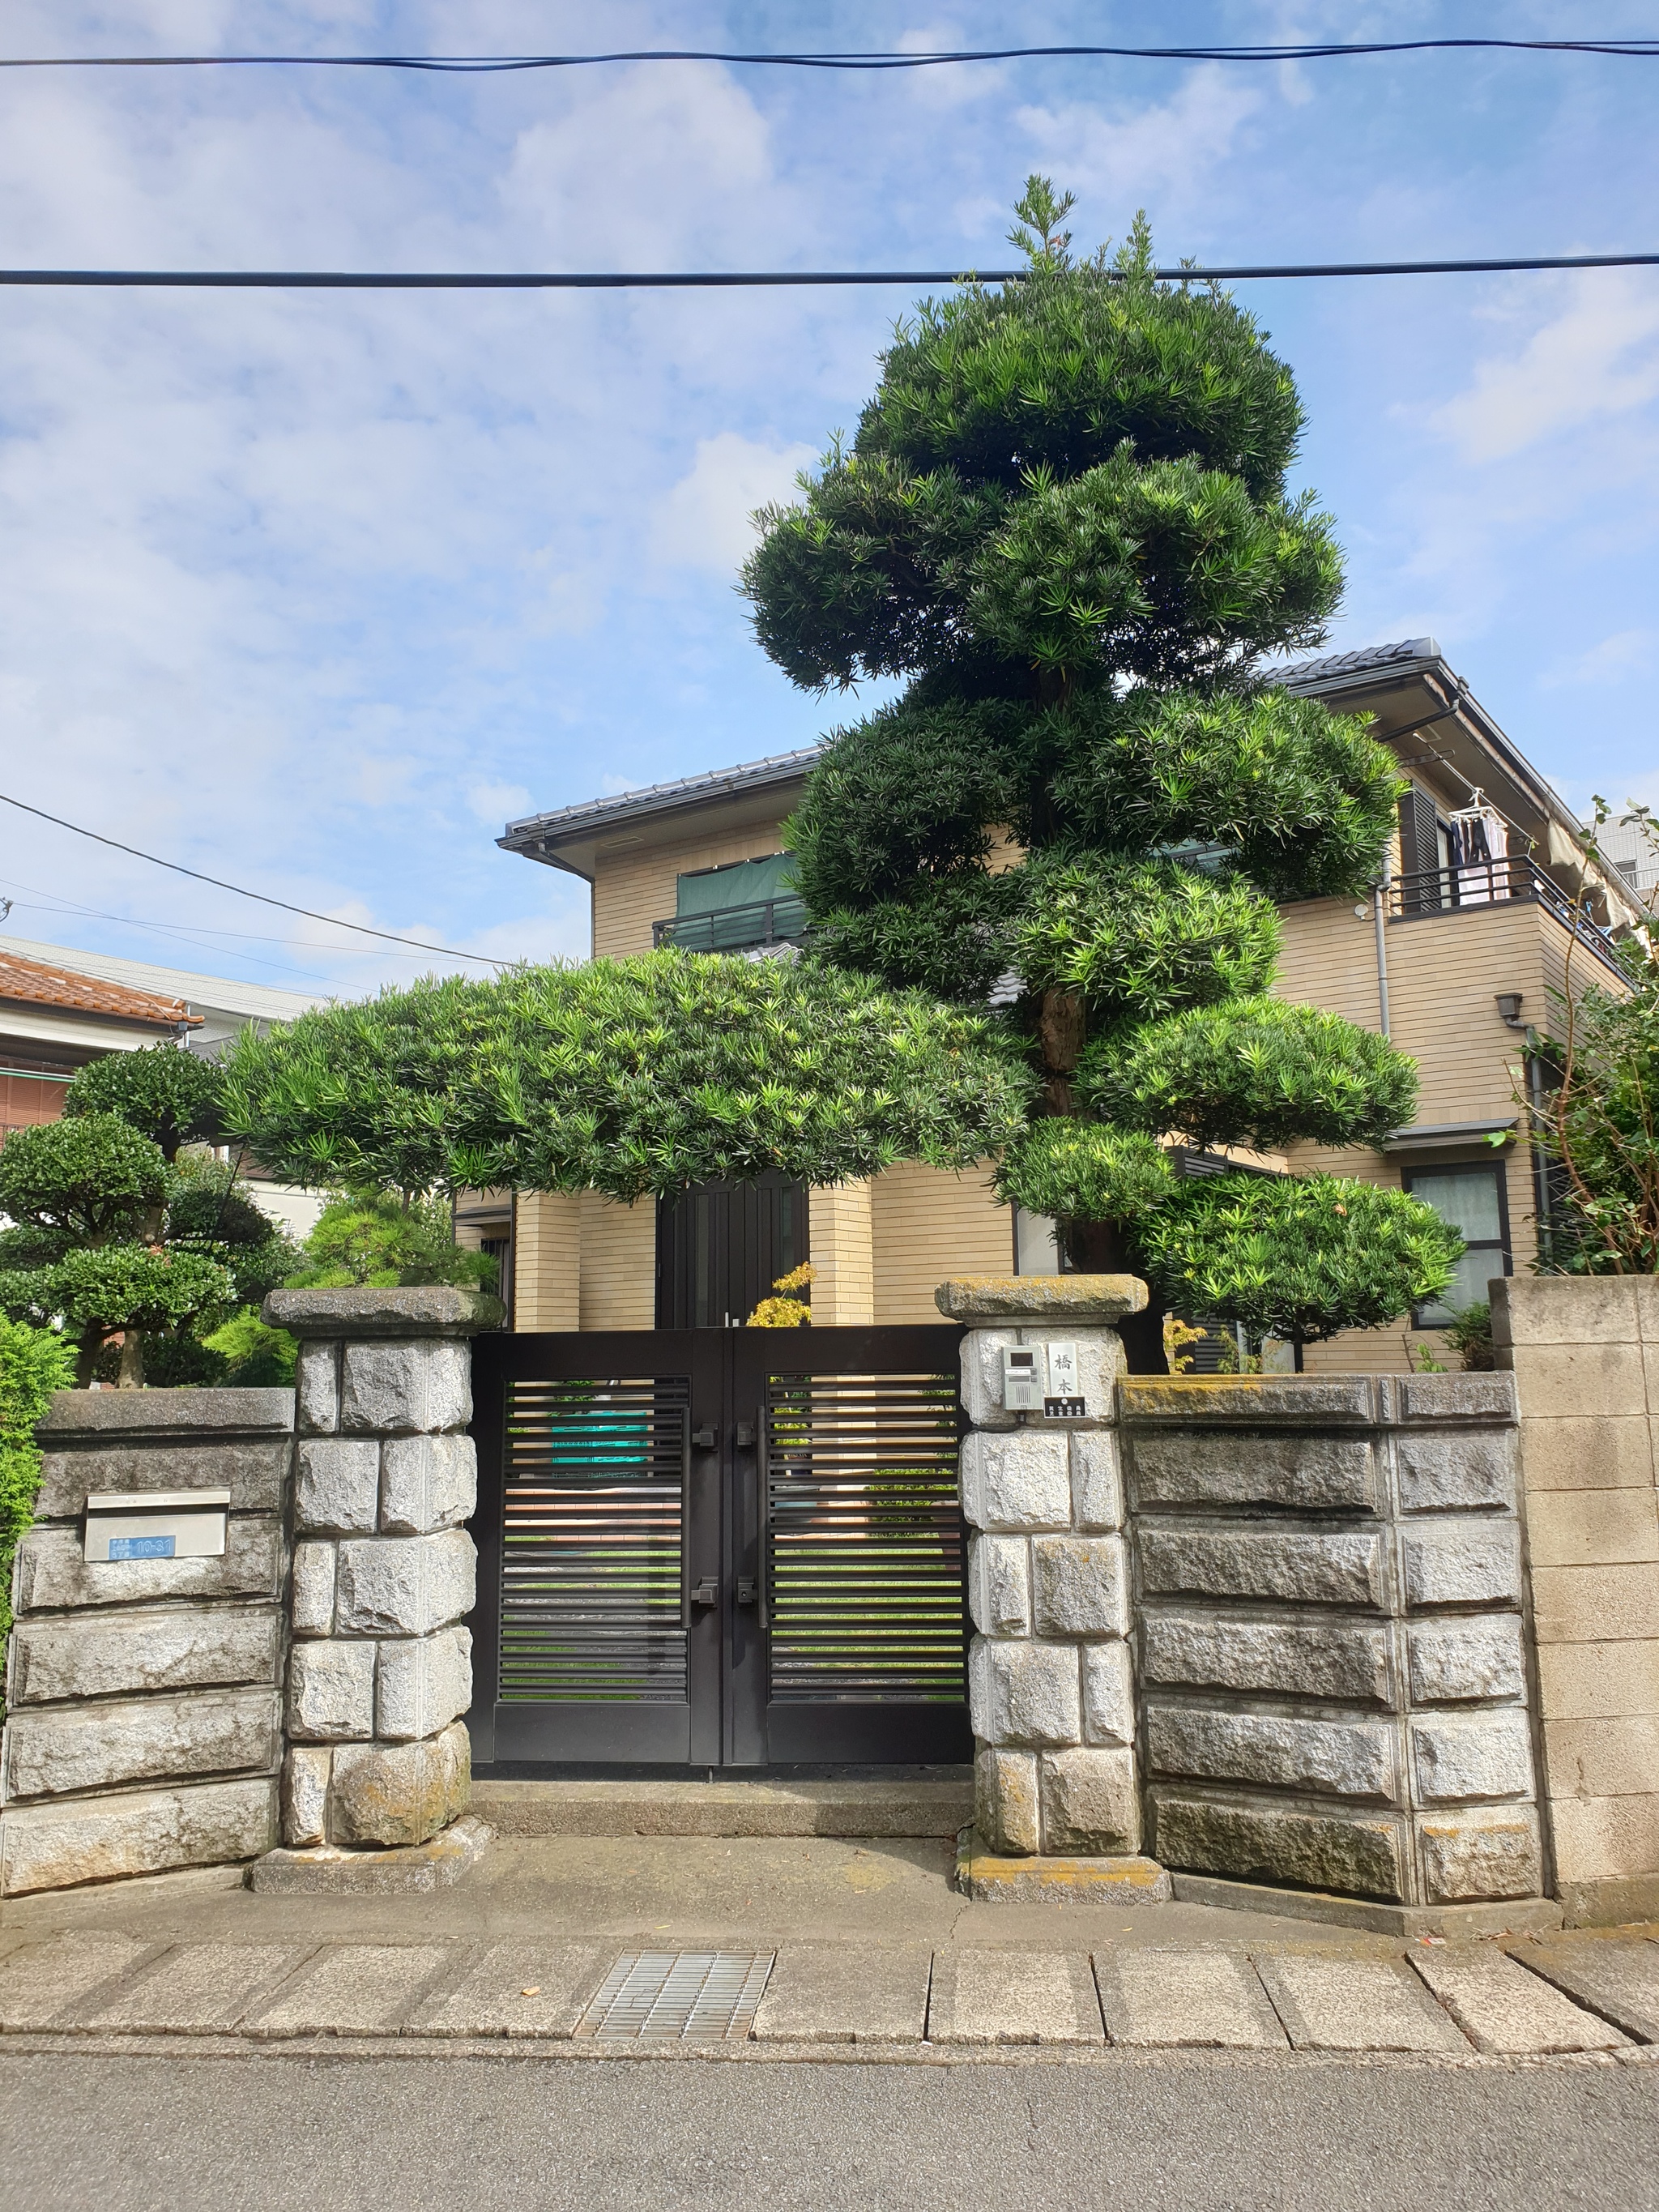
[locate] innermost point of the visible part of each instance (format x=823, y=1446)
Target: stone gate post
x=1051, y=1688
x=380, y=1669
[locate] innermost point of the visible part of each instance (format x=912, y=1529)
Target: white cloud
x=495, y=803
x=704, y=522
x=1598, y=356
x=1626, y=652
x=948, y=84
x=1125, y=156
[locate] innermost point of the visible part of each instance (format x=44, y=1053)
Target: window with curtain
x=1472, y=1200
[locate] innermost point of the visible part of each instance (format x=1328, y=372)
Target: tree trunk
x=1098, y=1248
x=132, y=1360
x=86, y=1358
x=1061, y=1029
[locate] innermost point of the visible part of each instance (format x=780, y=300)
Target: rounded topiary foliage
x=166, y=1093
x=1067, y=519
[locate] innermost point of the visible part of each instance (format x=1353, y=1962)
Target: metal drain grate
x=681, y=1996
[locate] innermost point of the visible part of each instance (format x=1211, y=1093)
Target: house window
x=1473, y=1200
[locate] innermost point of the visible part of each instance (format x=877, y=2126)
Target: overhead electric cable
x=382, y=280
x=333, y=919
x=875, y=59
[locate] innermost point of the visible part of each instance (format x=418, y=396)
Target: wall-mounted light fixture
x=1509, y=1009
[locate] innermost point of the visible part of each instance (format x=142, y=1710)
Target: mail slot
x=156, y=1524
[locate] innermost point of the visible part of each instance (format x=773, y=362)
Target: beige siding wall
x=929, y=1225
x=619, y=1263
x=841, y=1236
x=634, y=888
x=546, y=1262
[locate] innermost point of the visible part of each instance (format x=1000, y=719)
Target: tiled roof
x=33, y=984
x=593, y=814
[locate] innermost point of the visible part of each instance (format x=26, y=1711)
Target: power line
x=381, y=280
x=219, y=883
x=499, y=64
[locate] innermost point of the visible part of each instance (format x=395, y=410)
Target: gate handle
x=707, y=1592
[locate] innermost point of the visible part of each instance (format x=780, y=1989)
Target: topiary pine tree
x=1065, y=519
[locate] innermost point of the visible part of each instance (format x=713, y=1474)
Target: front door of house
x=718, y=1547
x=721, y=1247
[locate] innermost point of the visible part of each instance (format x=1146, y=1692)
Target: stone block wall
x=1050, y=1687
x=1584, y=1354
x=144, y=1723
x=379, y=1671
x=1331, y=1649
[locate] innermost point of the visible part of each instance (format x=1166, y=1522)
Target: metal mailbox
x=155, y=1524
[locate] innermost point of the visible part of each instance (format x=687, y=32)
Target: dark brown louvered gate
x=719, y=1547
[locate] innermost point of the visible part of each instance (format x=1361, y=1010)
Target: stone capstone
x=404, y=1585
x=1089, y=1803
x=422, y=1685
x=396, y=1388
x=57, y=1750
x=1080, y=1586
x=437, y=1310
x=336, y=1487
x=103, y=1655
x=1025, y=1693
x=1020, y=1480
x=1281, y=1565
x=426, y=1483
x=1302, y=1659
x=102, y=1414
x=60, y=1843
x=1300, y=1401
x=1360, y=1855
x=330, y=1691
x=1038, y=1298
x=1348, y=1759
x=403, y=1793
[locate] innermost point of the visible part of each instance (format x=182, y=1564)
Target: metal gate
x=719, y=1547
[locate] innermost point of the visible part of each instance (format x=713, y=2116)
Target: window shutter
x=1419, y=854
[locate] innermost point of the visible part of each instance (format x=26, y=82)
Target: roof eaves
x=591, y=816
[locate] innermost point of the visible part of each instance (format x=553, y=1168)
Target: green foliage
x=113, y=1287
x=1301, y=797
x=33, y=1363
x=1470, y=1334
x=85, y=1180
x=252, y=1352
x=1141, y=940
x=1296, y=1257
x=1601, y=1124
x=1080, y=1171
x=375, y=1238
x=164, y=1092
x=1067, y=518
x=1253, y=1072
x=630, y=1076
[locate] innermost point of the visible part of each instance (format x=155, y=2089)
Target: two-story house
x=1488, y=907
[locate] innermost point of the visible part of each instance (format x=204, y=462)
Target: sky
x=314, y=592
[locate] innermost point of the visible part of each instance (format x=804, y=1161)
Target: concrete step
x=905, y=1807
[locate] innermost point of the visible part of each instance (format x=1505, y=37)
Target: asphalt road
x=245, y=2133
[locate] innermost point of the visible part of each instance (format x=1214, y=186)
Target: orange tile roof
x=33, y=984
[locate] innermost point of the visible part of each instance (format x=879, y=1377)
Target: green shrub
x=33, y=1363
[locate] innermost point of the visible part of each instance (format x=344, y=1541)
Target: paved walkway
x=608, y=1946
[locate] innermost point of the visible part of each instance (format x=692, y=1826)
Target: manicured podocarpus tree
x=1064, y=518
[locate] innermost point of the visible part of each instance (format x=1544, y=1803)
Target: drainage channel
x=685, y=1996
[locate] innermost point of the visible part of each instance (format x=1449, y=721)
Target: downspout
x=1380, y=912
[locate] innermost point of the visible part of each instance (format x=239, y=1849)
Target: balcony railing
x=735, y=928
x=1487, y=884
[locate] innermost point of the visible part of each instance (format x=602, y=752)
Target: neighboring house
x=1489, y=906
x=60, y=1008
x=1631, y=853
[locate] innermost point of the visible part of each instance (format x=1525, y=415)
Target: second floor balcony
x=1488, y=884
x=749, y=927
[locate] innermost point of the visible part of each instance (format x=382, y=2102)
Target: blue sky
x=313, y=592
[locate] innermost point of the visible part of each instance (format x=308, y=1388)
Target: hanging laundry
x=1478, y=854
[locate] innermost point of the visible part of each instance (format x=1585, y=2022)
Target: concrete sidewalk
x=758, y=1946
